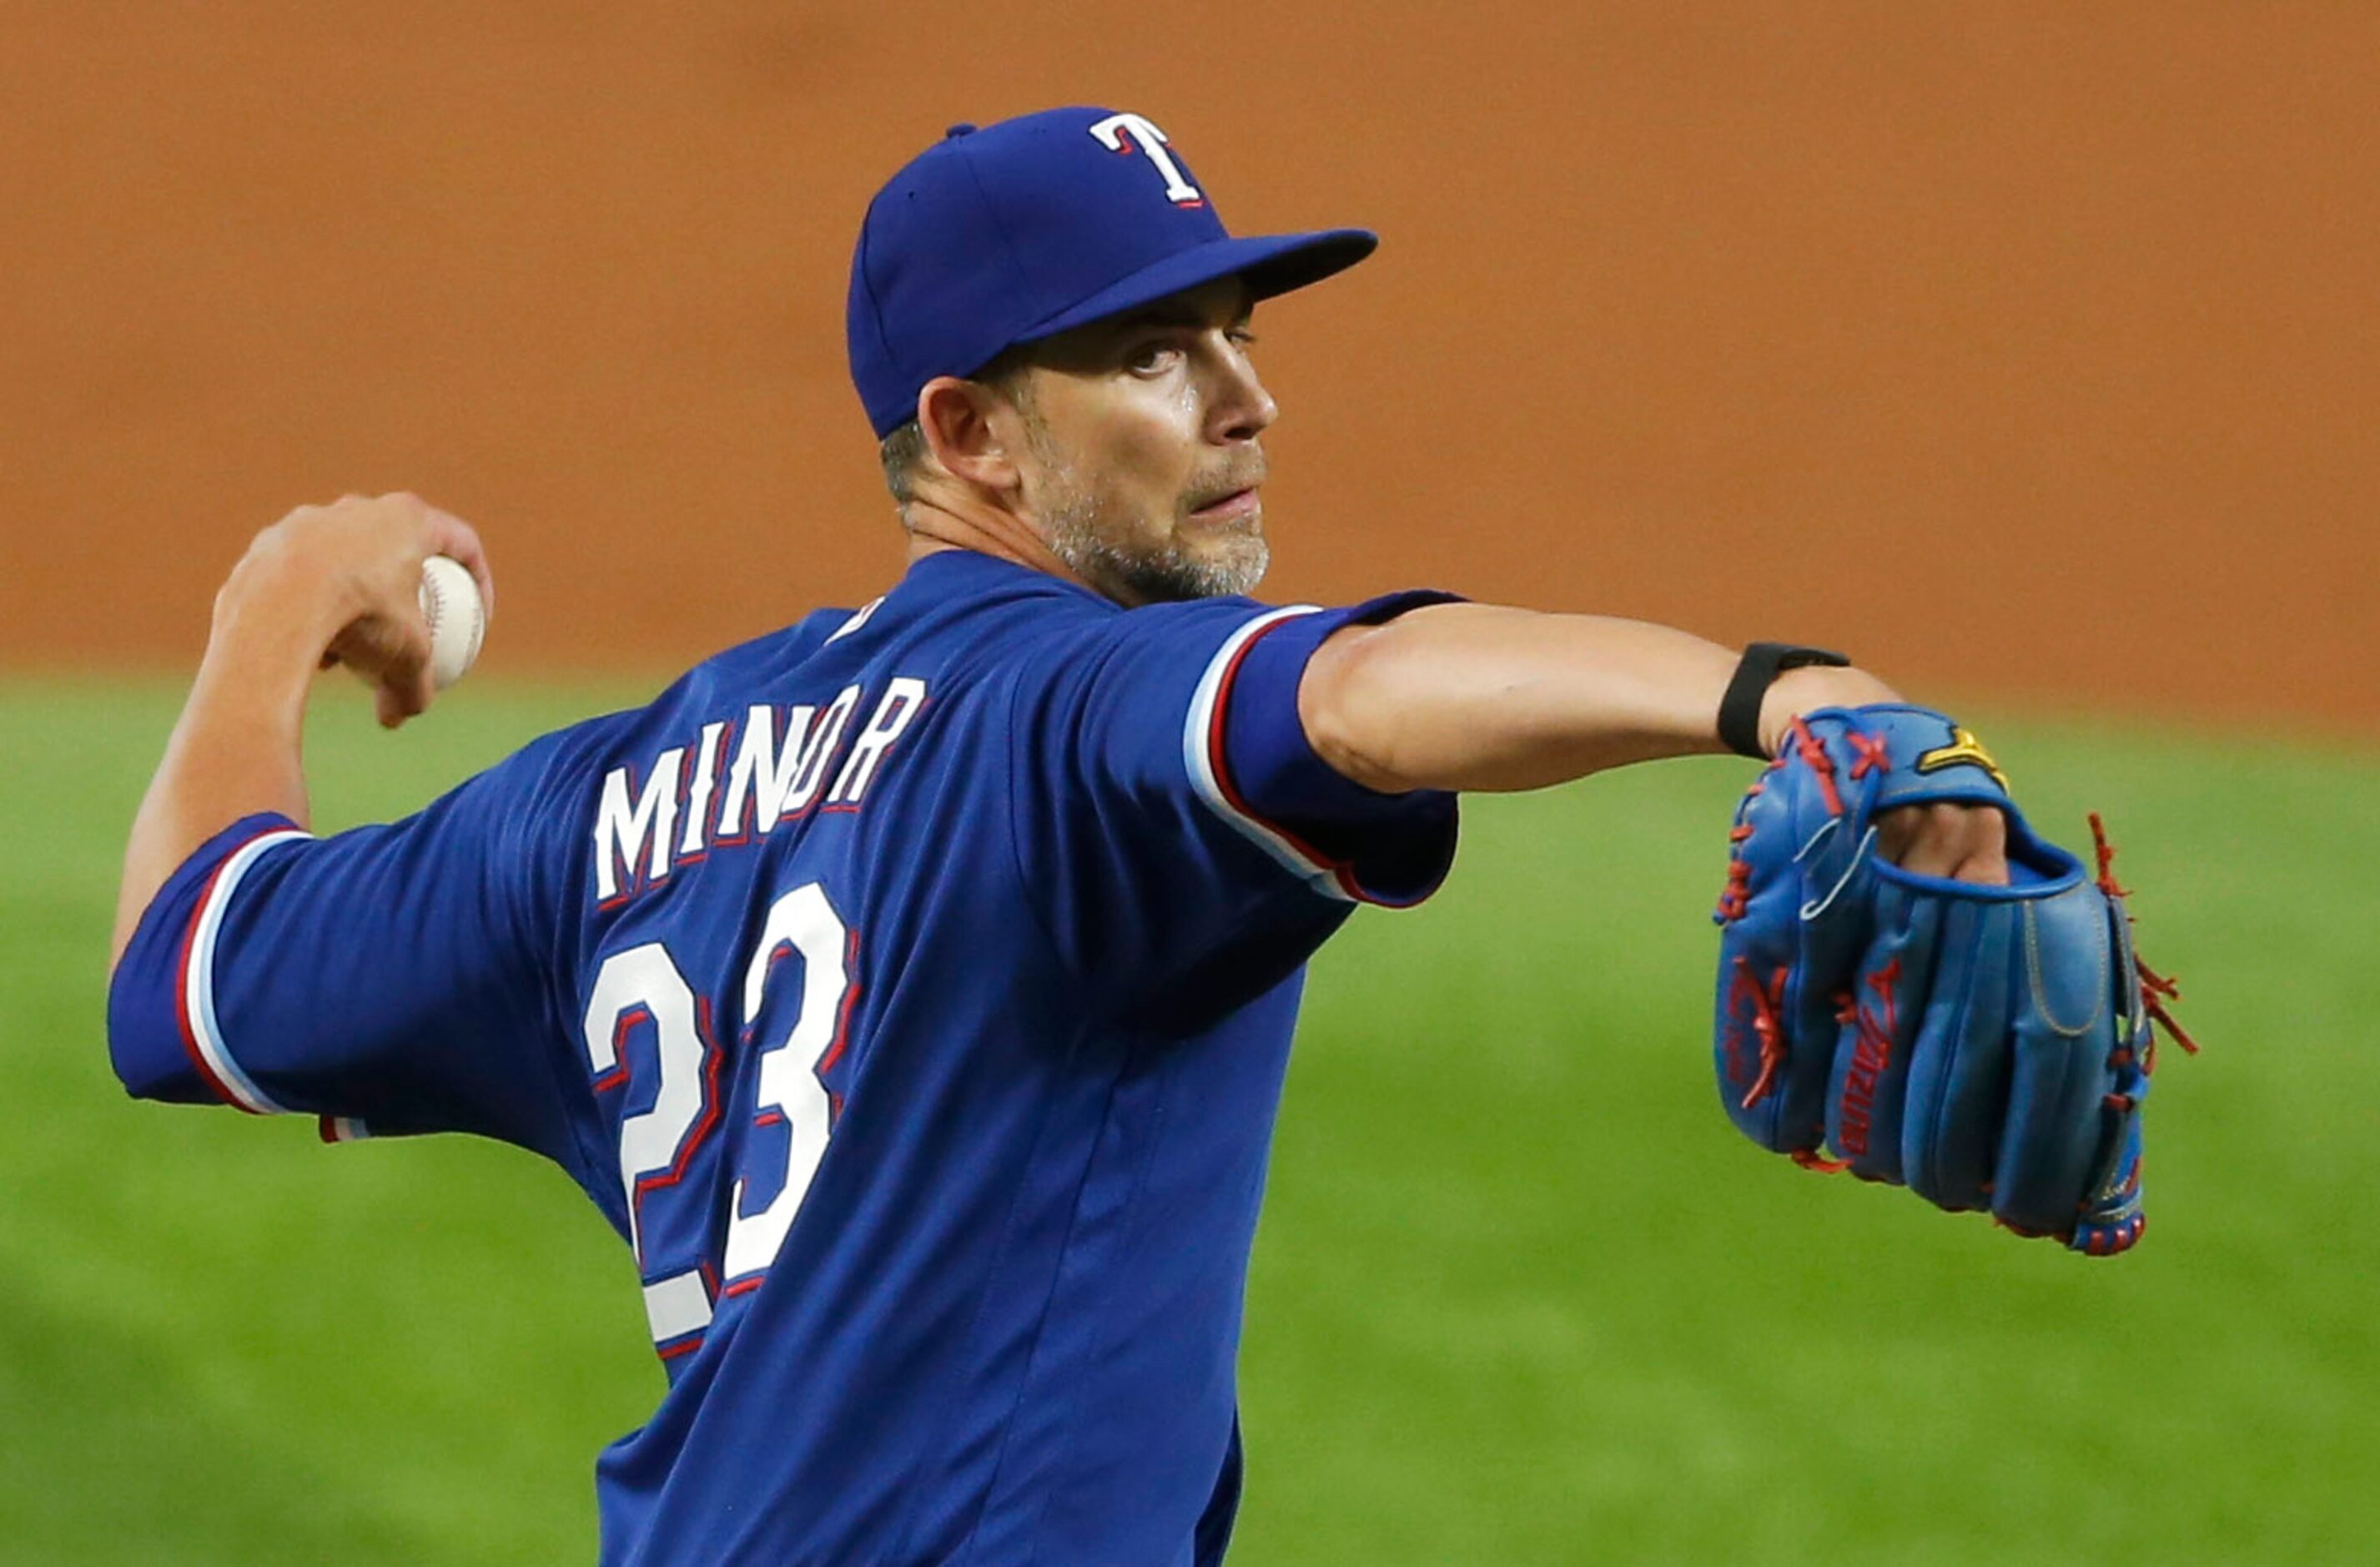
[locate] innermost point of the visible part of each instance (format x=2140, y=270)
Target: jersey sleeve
x=1173, y=801
x=389, y=979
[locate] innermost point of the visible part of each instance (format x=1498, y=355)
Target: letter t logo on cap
x=1131, y=133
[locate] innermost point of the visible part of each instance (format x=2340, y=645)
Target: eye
x=1242, y=338
x=1149, y=358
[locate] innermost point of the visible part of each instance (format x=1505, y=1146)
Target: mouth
x=1229, y=507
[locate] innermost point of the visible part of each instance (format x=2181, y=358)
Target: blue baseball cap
x=1024, y=229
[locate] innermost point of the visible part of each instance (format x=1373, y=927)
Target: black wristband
x=1739, y=711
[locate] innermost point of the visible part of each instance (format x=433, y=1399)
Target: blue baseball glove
x=1987, y=1047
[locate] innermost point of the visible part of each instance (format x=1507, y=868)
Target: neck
x=939, y=522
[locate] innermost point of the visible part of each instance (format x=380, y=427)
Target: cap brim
x=1272, y=263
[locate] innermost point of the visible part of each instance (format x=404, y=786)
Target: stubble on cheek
x=1226, y=557
x=1134, y=558
x=1135, y=563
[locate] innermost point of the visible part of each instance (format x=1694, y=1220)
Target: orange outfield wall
x=2026, y=349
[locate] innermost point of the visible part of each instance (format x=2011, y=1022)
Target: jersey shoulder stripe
x=1252, y=765
x=1203, y=755
x=201, y=1030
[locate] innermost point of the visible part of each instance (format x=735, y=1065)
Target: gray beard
x=1156, y=574
x=1160, y=575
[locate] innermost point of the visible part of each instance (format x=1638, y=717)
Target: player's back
x=822, y=975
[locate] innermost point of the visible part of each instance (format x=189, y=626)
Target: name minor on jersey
x=738, y=780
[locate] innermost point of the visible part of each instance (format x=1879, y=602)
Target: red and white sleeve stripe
x=195, y=982
x=1210, y=773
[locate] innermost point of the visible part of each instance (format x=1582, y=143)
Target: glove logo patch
x=1870, y=1057
x=1964, y=747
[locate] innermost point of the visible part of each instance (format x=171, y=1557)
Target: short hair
x=903, y=453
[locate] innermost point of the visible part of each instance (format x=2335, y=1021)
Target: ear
x=957, y=419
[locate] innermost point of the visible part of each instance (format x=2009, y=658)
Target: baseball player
x=911, y=987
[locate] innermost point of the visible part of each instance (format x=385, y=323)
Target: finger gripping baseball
x=1987, y=1047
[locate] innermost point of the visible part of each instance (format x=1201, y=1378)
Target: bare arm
x=325, y=584
x=1480, y=697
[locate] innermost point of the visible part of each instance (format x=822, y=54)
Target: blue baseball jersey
x=912, y=990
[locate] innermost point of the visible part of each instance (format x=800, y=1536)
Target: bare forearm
x=235, y=751
x=338, y=583
x=1478, y=697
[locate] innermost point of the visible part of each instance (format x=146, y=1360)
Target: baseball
x=456, y=617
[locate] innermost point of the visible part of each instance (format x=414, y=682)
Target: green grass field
x=1521, y=1294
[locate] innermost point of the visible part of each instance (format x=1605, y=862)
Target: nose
x=1240, y=408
